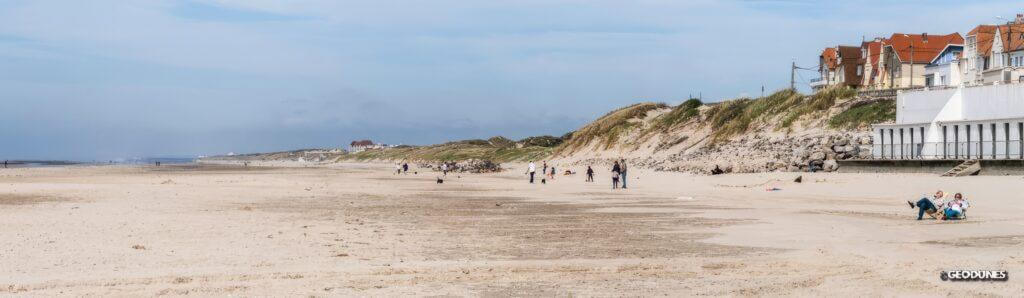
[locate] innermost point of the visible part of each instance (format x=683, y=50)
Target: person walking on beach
x=405, y=168
x=444, y=168
x=622, y=176
x=5, y=164
x=544, y=171
x=531, y=169
x=551, y=175
x=616, y=170
x=590, y=174
x=398, y=168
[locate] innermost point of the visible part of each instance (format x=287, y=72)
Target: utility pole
x=792, y=76
x=911, y=63
x=911, y=42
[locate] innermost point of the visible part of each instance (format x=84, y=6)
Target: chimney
x=924, y=37
x=1020, y=18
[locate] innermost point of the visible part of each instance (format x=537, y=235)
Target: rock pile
x=466, y=166
x=763, y=153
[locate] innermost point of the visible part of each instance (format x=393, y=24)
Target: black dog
x=439, y=180
x=543, y=181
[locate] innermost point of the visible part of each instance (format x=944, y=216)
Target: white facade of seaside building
x=982, y=122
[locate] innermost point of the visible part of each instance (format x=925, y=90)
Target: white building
x=944, y=70
x=982, y=122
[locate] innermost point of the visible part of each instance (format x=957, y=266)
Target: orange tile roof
x=925, y=47
x=1013, y=37
x=985, y=34
x=829, y=54
x=874, y=48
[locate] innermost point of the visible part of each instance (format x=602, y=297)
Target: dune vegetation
x=497, y=149
x=720, y=121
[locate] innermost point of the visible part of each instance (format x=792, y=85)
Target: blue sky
x=97, y=80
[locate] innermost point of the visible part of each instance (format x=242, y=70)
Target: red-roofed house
x=358, y=146
x=839, y=65
x=849, y=69
x=871, y=51
x=827, y=66
x=994, y=53
x=906, y=55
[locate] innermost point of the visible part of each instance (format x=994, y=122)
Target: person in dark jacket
x=616, y=170
x=590, y=174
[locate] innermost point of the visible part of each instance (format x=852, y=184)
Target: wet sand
x=360, y=230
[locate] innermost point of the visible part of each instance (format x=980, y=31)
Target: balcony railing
x=1013, y=149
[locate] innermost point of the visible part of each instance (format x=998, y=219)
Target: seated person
x=957, y=208
x=929, y=206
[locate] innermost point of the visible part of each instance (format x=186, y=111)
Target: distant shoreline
x=59, y=163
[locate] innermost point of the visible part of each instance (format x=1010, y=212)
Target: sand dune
x=359, y=230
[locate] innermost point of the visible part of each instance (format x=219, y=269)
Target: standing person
x=590, y=174
x=444, y=168
x=616, y=169
x=623, y=173
x=544, y=172
x=531, y=169
x=398, y=168
x=5, y=164
x=405, y=168
x=551, y=175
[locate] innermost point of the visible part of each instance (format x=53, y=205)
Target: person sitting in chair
x=929, y=206
x=956, y=209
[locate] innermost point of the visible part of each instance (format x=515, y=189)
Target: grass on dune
x=495, y=150
x=610, y=127
x=864, y=114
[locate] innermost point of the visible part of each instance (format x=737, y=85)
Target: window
x=860, y=70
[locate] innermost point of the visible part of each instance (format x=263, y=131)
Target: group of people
x=619, y=171
x=402, y=167
x=938, y=208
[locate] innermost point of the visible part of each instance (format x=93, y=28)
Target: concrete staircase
x=966, y=168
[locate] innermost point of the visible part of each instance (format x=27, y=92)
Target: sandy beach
x=361, y=230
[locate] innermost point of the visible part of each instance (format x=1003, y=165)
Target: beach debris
x=748, y=185
x=830, y=165
x=138, y=247
x=168, y=181
x=799, y=179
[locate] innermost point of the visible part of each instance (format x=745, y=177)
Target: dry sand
x=360, y=230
